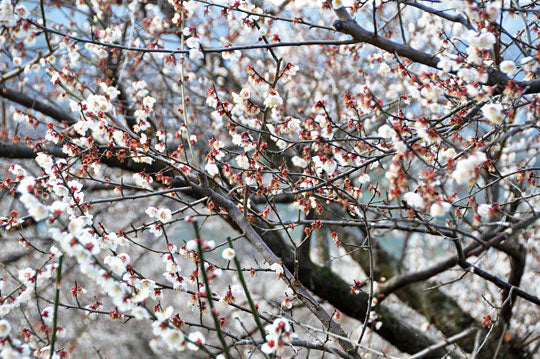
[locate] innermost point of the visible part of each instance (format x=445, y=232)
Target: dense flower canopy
x=283, y=178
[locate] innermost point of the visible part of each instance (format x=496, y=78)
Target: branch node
x=339, y=25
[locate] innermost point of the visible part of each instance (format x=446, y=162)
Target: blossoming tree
x=284, y=178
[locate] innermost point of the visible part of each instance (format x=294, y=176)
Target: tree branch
x=437, y=307
x=489, y=239
x=34, y=104
x=347, y=25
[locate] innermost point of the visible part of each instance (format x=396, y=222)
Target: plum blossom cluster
x=493, y=112
x=279, y=335
x=467, y=169
x=10, y=345
x=194, y=45
x=162, y=215
x=80, y=241
x=172, y=268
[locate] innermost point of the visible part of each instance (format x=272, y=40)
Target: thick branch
x=489, y=239
x=34, y=104
x=424, y=353
x=499, y=282
x=311, y=303
x=441, y=13
x=437, y=307
x=517, y=263
x=10, y=150
x=347, y=25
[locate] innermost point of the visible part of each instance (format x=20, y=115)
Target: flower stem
x=244, y=286
x=56, y=301
x=209, y=292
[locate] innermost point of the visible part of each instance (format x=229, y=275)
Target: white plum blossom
x=401, y=147
x=364, y=178
x=58, y=207
x=143, y=181
x=393, y=171
x=273, y=100
x=149, y=101
x=279, y=335
x=281, y=144
x=191, y=245
x=47, y=314
x=174, y=339
x=156, y=230
x=386, y=131
x=228, y=254
x=212, y=169
x=293, y=125
x=329, y=166
x=17, y=170
x=5, y=309
x=447, y=65
x=97, y=103
x=76, y=225
x=299, y=162
x=160, y=147
x=269, y=347
x=196, y=54
x=484, y=210
x=7, y=15
x=231, y=55
x=242, y=161
x=277, y=267
x=493, y=9
x=117, y=263
x=196, y=339
x=439, y=209
x=26, y=185
x=384, y=69
x=421, y=130
x=164, y=215
x=5, y=328
x=141, y=115
x=483, y=41
x=112, y=241
x=119, y=138
x=245, y=94
x=35, y=208
x=20, y=117
x=470, y=74
x=186, y=30
x=110, y=91
x=508, y=67
x=193, y=42
x=286, y=303
x=27, y=275
x=140, y=313
x=164, y=314
x=355, y=135
x=44, y=161
x=493, y=112
x=447, y=153
x=465, y=170
x=211, y=101
x=414, y=200
x=430, y=92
